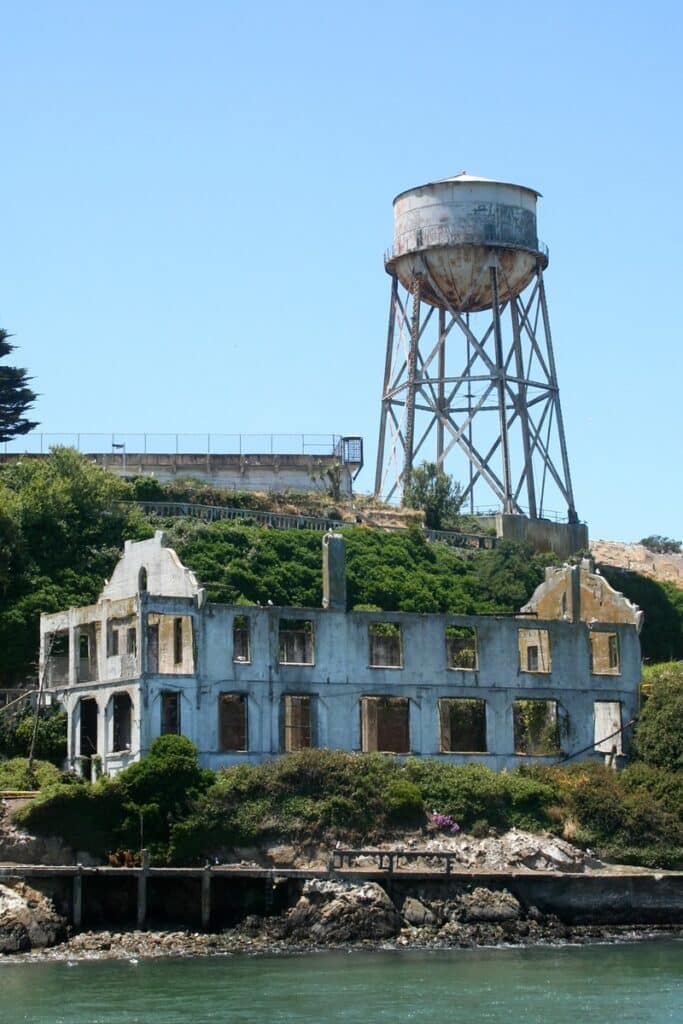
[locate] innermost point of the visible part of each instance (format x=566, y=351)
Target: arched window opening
x=122, y=708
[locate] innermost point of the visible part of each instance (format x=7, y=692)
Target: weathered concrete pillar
x=206, y=897
x=334, y=572
x=77, y=904
x=74, y=654
x=142, y=890
x=269, y=895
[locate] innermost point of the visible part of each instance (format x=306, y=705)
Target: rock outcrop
x=329, y=913
x=28, y=920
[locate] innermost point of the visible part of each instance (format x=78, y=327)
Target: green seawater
x=640, y=983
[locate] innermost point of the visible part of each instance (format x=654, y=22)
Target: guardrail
x=289, y=521
x=39, y=443
x=215, y=513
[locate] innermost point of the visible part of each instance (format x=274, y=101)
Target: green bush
x=137, y=807
x=85, y=817
x=15, y=774
x=403, y=803
x=467, y=792
x=658, y=737
x=621, y=816
x=16, y=734
x=189, y=815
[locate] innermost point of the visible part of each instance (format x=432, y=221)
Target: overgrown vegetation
x=15, y=774
x=138, y=807
x=61, y=534
x=659, y=737
x=16, y=734
x=185, y=815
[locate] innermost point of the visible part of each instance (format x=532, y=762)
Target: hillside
x=63, y=523
x=637, y=558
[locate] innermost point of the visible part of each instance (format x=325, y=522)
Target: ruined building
x=247, y=683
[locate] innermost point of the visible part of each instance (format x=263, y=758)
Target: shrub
x=403, y=803
x=465, y=792
x=658, y=737
x=84, y=816
x=15, y=774
x=16, y=735
x=140, y=804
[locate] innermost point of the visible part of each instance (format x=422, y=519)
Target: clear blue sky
x=197, y=198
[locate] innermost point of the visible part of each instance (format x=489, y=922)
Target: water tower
x=469, y=366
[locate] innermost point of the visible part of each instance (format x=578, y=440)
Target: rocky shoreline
x=328, y=915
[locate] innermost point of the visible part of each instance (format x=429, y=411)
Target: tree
x=658, y=739
x=16, y=397
x=662, y=545
x=61, y=533
x=436, y=493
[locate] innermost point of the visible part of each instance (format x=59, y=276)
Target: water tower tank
x=449, y=228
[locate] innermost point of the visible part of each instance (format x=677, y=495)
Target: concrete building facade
x=248, y=683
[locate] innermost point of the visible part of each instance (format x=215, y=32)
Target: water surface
x=639, y=983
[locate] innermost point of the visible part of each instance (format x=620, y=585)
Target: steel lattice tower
x=470, y=368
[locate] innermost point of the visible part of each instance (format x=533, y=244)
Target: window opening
x=122, y=710
x=296, y=642
x=178, y=641
x=296, y=722
x=170, y=714
x=461, y=647
x=604, y=653
x=153, y=647
x=536, y=727
x=613, y=656
x=57, y=646
x=385, y=724
x=88, y=729
x=240, y=639
x=462, y=725
x=386, y=645
x=132, y=641
x=232, y=721
x=87, y=652
x=534, y=650
x=112, y=641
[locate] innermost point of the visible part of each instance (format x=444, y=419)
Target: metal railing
x=39, y=443
x=214, y=513
x=552, y=515
x=294, y=521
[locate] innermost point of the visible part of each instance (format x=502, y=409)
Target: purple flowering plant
x=445, y=822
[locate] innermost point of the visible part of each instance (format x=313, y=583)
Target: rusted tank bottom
x=461, y=274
